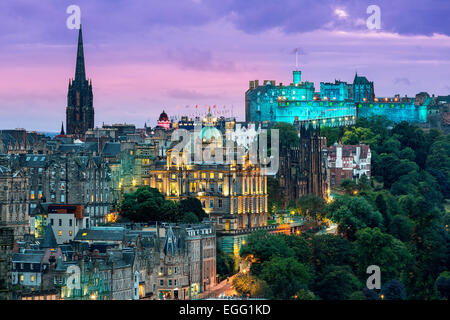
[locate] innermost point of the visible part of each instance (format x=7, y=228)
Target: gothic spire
x=80, y=73
x=62, y=128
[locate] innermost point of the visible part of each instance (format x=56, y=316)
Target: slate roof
x=111, y=149
x=101, y=234
x=360, y=80
x=49, y=238
x=34, y=160
x=27, y=257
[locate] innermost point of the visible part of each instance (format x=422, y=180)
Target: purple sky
x=144, y=56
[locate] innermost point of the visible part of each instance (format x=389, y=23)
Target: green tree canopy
x=353, y=214
x=337, y=283
x=148, y=204
x=285, y=277
x=373, y=247
x=330, y=250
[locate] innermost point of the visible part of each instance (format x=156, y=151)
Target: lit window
x=32, y=278
x=70, y=233
x=211, y=175
x=59, y=233
x=21, y=277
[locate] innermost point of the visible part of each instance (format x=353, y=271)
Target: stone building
x=70, y=178
x=302, y=169
x=201, y=251
x=347, y=162
x=18, y=141
x=233, y=195
x=14, y=200
x=6, y=252
x=80, y=109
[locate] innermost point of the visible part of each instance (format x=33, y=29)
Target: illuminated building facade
x=129, y=163
x=395, y=109
x=298, y=101
x=234, y=196
x=337, y=104
x=363, y=89
x=66, y=220
x=163, y=121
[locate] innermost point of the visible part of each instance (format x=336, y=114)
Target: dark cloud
x=45, y=21
x=402, y=16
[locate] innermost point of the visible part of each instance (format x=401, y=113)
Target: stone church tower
x=80, y=109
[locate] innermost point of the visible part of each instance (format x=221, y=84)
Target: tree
x=382, y=207
x=299, y=246
x=353, y=214
x=263, y=246
x=431, y=243
x=225, y=264
x=350, y=186
x=329, y=250
x=311, y=206
x=248, y=285
x=303, y=294
x=364, y=183
x=288, y=135
x=392, y=145
x=337, y=283
x=333, y=135
x=443, y=284
x=192, y=205
x=285, y=277
x=401, y=227
x=356, y=135
x=275, y=194
x=148, y=204
x=188, y=217
x=410, y=135
x=357, y=295
x=373, y=247
x=393, y=290
x=408, y=154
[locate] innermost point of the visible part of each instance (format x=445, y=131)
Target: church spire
x=80, y=72
x=62, y=129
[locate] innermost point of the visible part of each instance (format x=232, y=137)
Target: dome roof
x=163, y=117
x=210, y=133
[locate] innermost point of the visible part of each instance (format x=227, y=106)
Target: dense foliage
x=148, y=204
x=396, y=220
